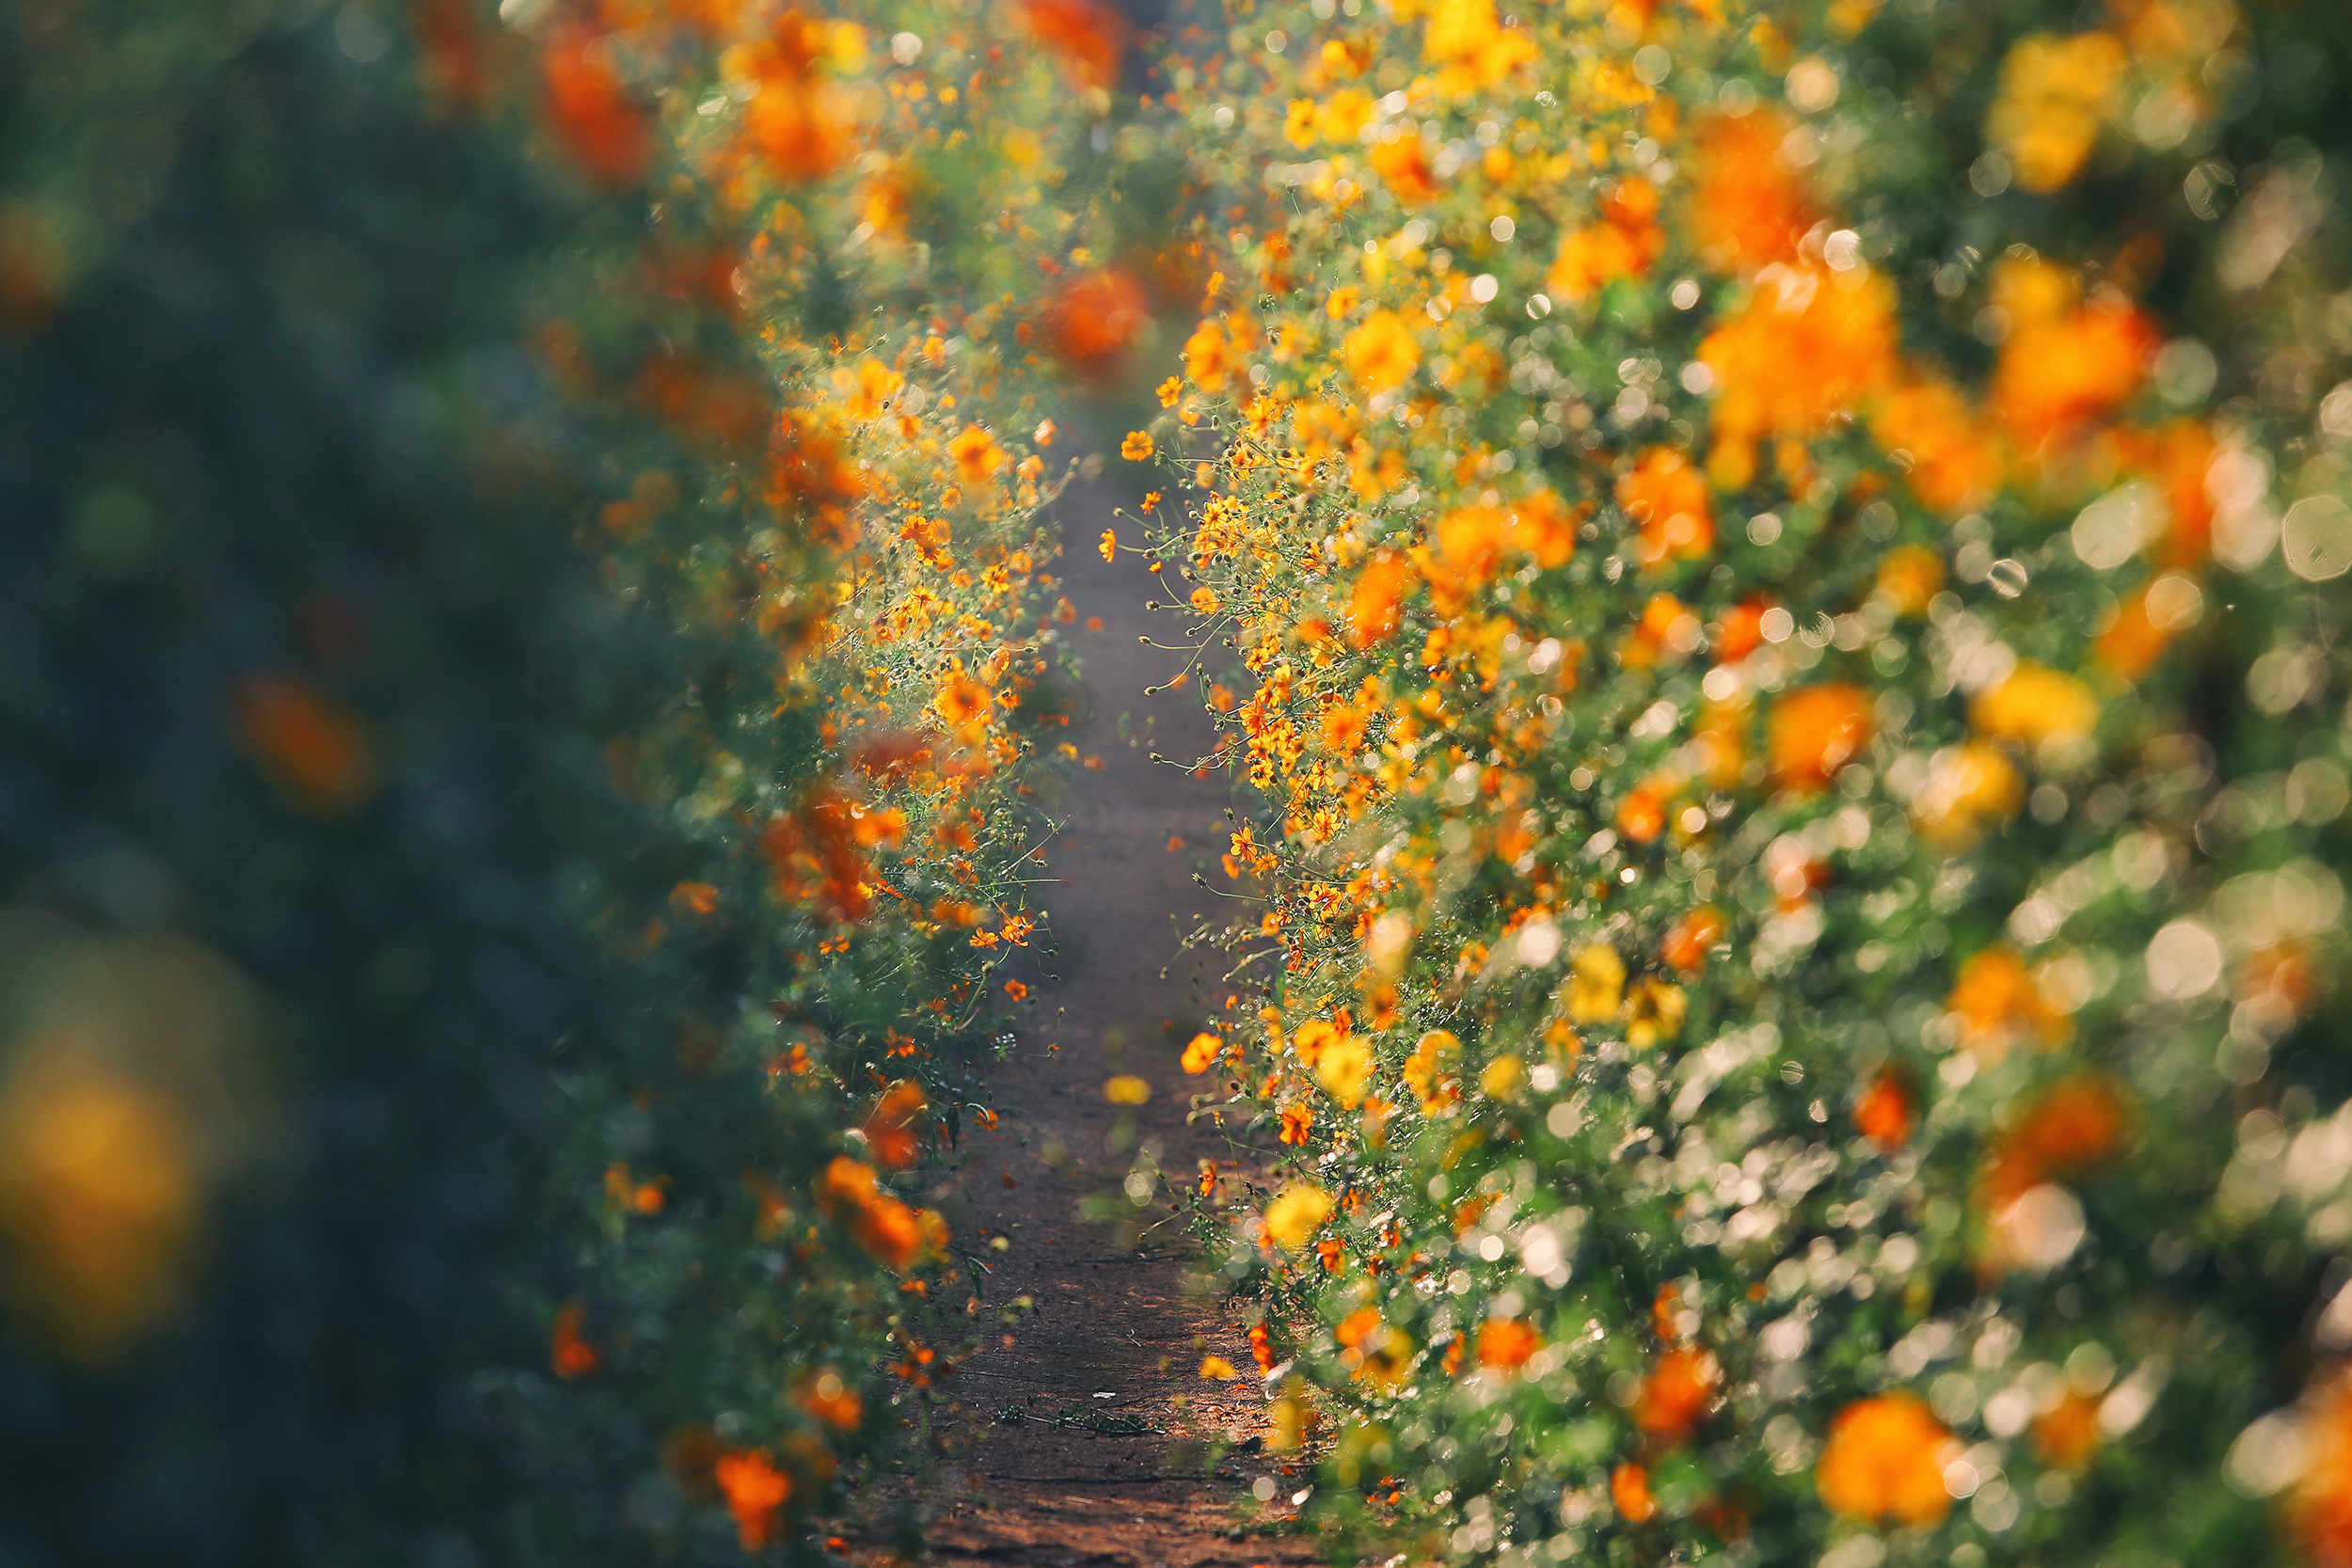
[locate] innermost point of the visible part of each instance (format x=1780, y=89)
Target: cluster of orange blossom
x=834, y=445
x=1772, y=578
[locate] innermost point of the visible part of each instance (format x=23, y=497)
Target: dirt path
x=1083, y=1435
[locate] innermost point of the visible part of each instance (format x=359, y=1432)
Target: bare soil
x=1084, y=1434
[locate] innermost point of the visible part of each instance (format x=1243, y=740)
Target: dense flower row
x=1779, y=570
x=856, y=538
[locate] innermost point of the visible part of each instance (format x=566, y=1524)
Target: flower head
x=1295, y=1214
x=1381, y=354
x=1884, y=1459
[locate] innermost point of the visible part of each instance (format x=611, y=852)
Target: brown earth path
x=1084, y=1434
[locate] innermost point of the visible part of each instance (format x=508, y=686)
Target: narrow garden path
x=1084, y=1435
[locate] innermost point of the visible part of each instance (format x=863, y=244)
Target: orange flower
x=1884, y=1114
x=2058, y=372
x=698, y=899
x=1208, y=357
x=1373, y=604
x=1542, y=525
x=1015, y=989
x=1504, y=1344
x=1814, y=731
x=1884, y=1459
x=311, y=747
x=2319, y=1508
x=870, y=389
x=1469, y=547
x=1742, y=630
x=977, y=455
x=1722, y=743
x=1629, y=1488
x=1404, y=164
x=1137, y=447
x=832, y=1402
x=1949, y=459
x=1642, y=815
x=1749, y=209
x=2128, y=648
x=2072, y=1127
x=890, y=1129
x=1381, y=353
x=569, y=1351
x=1428, y=1071
x=1690, y=939
x=961, y=700
x=806, y=467
x=1668, y=499
x=1677, y=1392
x=2067, y=1434
x=893, y=1232
x=1090, y=37
x=756, y=1490
x=801, y=122
x=1655, y=634
x=1808, y=345
x=1201, y=1053
x=2179, y=457
x=1999, y=1006
x=1622, y=244
x=1095, y=321
x=591, y=110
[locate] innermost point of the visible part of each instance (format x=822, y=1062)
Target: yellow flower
x=1967, y=786
x=2034, y=705
x=1170, y=390
x=2054, y=101
x=1126, y=1089
x=1287, y=1419
x=1463, y=35
x=1908, y=577
x=1137, y=447
x=1343, y=302
x=1345, y=115
x=1426, y=1071
x=1299, y=126
x=1500, y=1080
x=1204, y=600
x=1312, y=1037
x=1655, y=1013
x=1344, y=1067
x=1217, y=1366
x=1381, y=354
x=1295, y=1214
x=1596, y=984
x=1108, y=544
